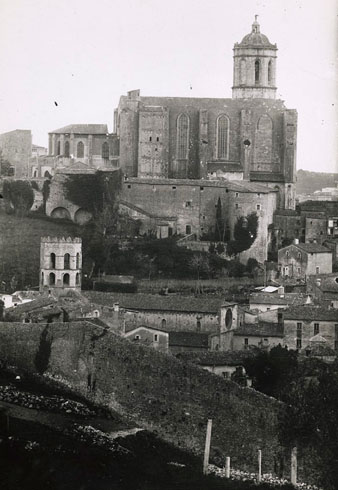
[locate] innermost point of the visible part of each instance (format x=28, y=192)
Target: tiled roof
x=136, y=301
x=132, y=328
x=308, y=248
x=214, y=358
x=261, y=330
x=82, y=129
x=188, y=339
x=310, y=313
x=32, y=305
x=276, y=299
x=266, y=177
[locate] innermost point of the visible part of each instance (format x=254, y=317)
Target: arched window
x=58, y=148
x=66, y=153
x=52, y=279
x=78, y=261
x=66, y=279
x=222, y=137
x=182, y=137
x=42, y=278
x=198, y=325
x=105, y=150
x=80, y=150
x=242, y=72
x=77, y=279
x=52, y=260
x=257, y=71
x=163, y=323
x=270, y=72
x=66, y=261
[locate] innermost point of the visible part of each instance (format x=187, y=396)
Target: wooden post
x=207, y=447
x=259, y=477
x=227, y=467
x=294, y=466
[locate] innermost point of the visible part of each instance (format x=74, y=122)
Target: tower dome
x=255, y=66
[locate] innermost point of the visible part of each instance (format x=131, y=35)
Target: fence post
x=207, y=447
x=259, y=477
x=227, y=467
x=294, y=466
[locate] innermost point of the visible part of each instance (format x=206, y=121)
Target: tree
x=311, y=420
x=20, y=195
x=245, y=233
x=221, y=230
x=5, y=166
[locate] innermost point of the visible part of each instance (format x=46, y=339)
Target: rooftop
x=261, y=330
x=141, y=301
x=310, y=313
x=188, y=339
x=256, y=39
x=309, y=248
x=82, y=129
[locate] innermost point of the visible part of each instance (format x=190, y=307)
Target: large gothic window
x=222, y=137
x=52, y=279
x=80, y=150
x=105, y=150
x=257, y=71
x=67, y=149
x=182, y=137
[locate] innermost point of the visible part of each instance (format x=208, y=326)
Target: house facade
x=300, y=260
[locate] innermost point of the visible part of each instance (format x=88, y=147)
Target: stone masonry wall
x=155, y=390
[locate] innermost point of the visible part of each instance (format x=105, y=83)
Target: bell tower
x=254, y=66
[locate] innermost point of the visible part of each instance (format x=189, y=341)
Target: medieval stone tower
x=254, y=66
x=60, y=263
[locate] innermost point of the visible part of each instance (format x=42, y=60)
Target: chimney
x=296, y=241
x=116, y=307
x=281, y=290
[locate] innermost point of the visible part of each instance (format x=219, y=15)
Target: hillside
x=309, y=182
x=170, y=398
x=20, y=246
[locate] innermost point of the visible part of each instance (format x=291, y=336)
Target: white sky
x=85, y=54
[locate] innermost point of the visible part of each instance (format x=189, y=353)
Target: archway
x=60, y=213
x=82, y=216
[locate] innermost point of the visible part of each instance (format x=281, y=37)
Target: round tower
x=254, y=66
x=60, y=263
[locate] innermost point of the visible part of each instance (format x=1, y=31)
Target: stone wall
x=155, y=390
x=16, y=147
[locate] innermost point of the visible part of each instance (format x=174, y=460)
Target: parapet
x=63, y=239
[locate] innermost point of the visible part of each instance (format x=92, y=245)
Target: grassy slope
x=309, y=182
x=20, y=246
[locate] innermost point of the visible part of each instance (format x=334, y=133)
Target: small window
x=150, y=138
x=298, y=270
x=129, y=186
x=317, y=270
x=163, y=323
x=52, y=279
x=155, y=337
x=258, y=207
x=259, y=194
x=66, y=261
x=198, y=325
x=246, y=342
x=236, y=194
x=105, y=150
x=157, y=139
x=174, y=187
x=316, y=329
x=299, y=343
x=299, y=327
x=137, y=337
x=52, y=260
x=287, y=255
x=236, y=205
x=188, y=204
x=201, y=189
x=299, y=256
x=66, y=279
x=188, y=230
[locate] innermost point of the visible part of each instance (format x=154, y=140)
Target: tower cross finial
x=256, y=17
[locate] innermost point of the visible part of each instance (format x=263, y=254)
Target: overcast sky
x=86, y=54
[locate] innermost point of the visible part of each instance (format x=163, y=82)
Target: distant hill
x=309, y=182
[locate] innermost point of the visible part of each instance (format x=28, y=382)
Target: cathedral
x=250, y=137
x=184, y=157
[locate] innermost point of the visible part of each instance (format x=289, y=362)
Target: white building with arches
x=60, y=263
